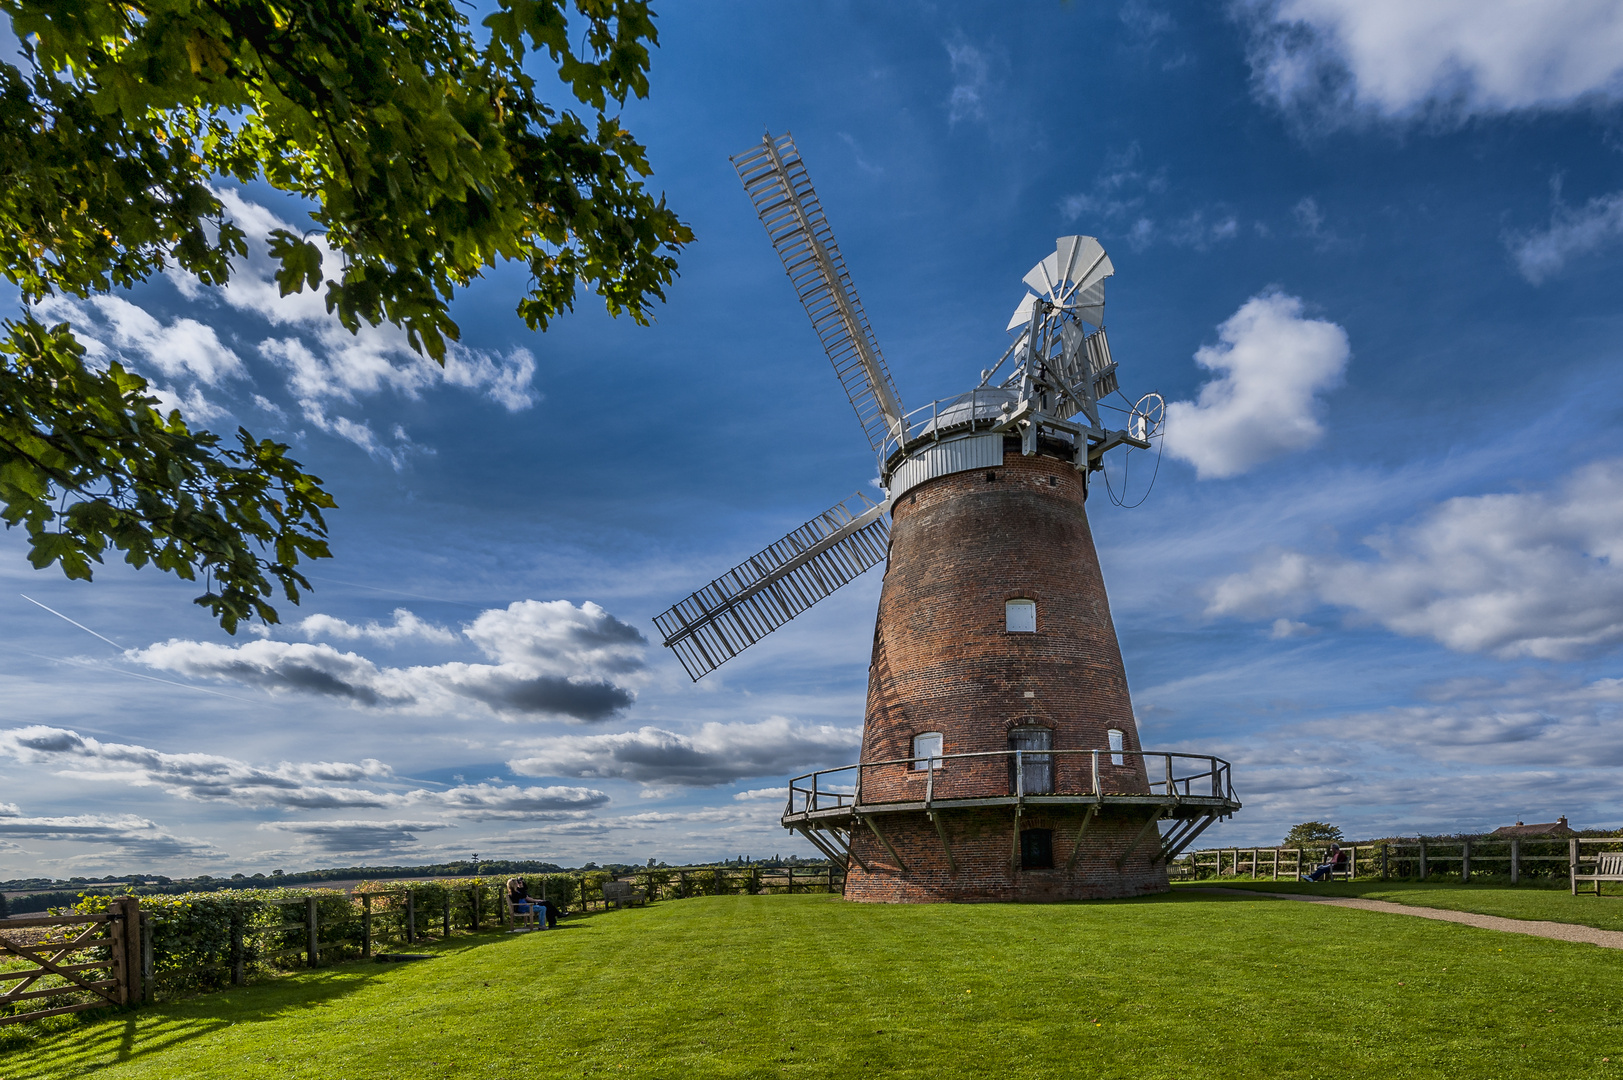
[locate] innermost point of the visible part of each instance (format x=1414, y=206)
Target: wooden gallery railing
x=1416, y=859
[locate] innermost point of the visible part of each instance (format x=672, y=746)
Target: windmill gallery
x=1000, y=759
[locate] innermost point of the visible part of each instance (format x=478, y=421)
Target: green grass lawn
x=1521, y=902
x=811, y=986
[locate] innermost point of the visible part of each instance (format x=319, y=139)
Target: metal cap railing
x=1030, y=773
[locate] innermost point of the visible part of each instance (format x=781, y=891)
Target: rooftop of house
x=1558, y=827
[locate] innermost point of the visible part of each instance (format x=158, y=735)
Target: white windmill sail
x=771, y=587
x=775, y=178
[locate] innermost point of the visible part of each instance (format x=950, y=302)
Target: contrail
x=64, y=618
x=126, y=674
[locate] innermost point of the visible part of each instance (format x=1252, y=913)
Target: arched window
x=1020, y=616
x=927, y=749
x=1117, y=745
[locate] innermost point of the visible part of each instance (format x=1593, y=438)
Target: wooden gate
x=68, y=963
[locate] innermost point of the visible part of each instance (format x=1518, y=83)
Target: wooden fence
x=1403, y=859
x=70, y=962
x=74, y=962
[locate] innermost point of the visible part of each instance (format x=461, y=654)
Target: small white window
x=1116, y=745
x=1020, y=616
x=927, y=750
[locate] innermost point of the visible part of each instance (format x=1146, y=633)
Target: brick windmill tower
x=1000, y=759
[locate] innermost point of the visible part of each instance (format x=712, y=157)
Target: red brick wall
x=961, y=546
x=981, y=842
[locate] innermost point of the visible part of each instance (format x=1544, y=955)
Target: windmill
x=1000, y=757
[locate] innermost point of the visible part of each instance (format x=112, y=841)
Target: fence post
x=239, y=975
x=445, y=914
x=1423, y=866
x=411, y=916
x=366, y=926
x=149, y=980
x=474, y=889
x=791, y=890
x=1572, y=866
x=311, y=928
x=1465, y=862
x=124, y=933
x=1384, y=865
x=1515, y=861
x=1352, y=864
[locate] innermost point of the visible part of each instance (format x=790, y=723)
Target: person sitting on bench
x=518, y=895
x=1335, y=862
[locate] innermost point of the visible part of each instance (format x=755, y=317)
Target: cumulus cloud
x=1272, y=364
x=405, y=627
x=289, y=785
x=553, y=659
x=716, y=753
x=1396, y=59
x=135, y=837
x=1543, y=253
x=112, y=327
x=557, y=637
x=1536, y=574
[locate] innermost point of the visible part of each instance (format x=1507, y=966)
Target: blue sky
x=1372, y=254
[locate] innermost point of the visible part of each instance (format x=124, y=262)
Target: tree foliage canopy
x=1310, y=833
x=426, y=154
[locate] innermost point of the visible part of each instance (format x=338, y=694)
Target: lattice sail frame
x=778, y=185
x=771, y=587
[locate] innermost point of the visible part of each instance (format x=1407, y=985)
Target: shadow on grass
x=1363, y=888
x=82, y=1043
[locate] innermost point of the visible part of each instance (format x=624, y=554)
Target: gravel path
x=1588, y=935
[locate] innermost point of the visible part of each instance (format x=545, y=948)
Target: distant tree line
x=55, y=892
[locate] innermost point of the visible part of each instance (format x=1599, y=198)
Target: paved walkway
x=1606, y=939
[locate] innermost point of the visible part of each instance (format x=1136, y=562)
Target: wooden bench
x=623, y=893
x=533, y=918
x=1608, y=867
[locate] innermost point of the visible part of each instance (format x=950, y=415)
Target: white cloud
x=288, y=785
x=559, y=638
x=1541, y=254
x=1273, y=364
x=356, y=836
x=555, y=659
x=1441, y=58
x=970, y=81
x=406, y=627
x=134, y=837
x=1120, y=197
x=716, y=753
x=1516, y=575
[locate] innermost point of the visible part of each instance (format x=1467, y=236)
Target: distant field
x=1521, y=902
x=812, y=986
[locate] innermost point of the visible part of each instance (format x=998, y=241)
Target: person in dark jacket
x=1335, y=861
x=518, y=895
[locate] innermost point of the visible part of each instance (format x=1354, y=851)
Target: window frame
x=1043, y=841
x=1020, y=603
x=931, y=761
x=1116, y=740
